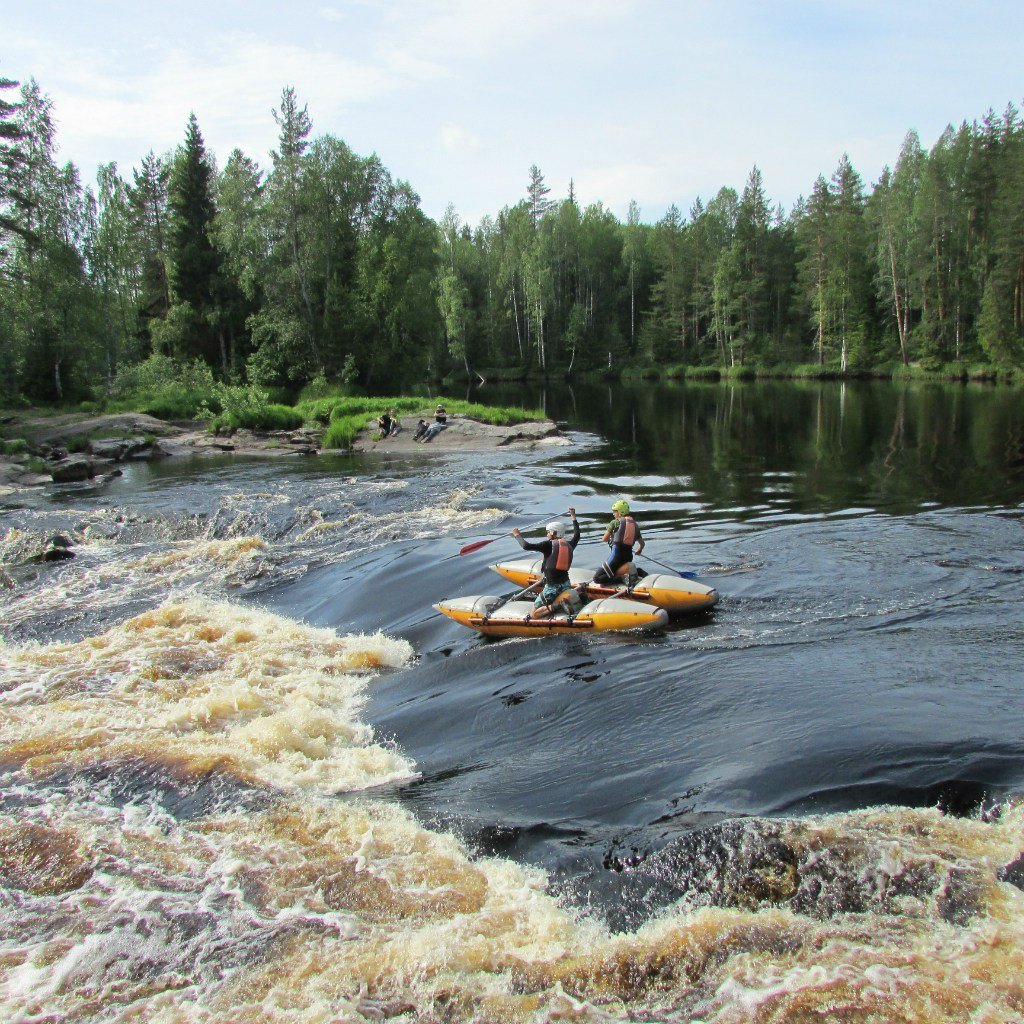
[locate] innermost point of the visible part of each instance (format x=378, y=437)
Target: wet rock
x=55, y=549
x=960, y=898
x=1014, y=873
x=752, y=863
x=72, y=471
x=113, y=449
x=56, y=555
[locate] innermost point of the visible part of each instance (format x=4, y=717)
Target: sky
x=655, y=101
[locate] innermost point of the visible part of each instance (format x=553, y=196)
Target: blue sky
x=651, y=100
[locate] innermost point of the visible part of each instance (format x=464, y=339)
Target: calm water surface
x=837, y=742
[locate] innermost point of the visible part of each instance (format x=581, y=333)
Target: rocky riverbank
x=72, y=448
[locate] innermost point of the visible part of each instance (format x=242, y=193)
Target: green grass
x=343, y=431
x=930, y=371
x=703, y=373
x=266, y=417
x=170, y=403
x=16, y=446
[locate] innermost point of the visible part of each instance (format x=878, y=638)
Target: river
x=251, y=776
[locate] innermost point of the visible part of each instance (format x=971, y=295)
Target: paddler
x=557, y=552
x=622, y=534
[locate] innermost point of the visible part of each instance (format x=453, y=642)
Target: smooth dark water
x=867, y=542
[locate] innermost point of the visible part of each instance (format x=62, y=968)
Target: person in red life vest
x=557, y=552
x=622, y=534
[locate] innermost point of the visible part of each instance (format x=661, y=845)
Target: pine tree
x=537, y=193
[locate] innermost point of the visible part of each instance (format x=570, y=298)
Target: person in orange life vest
x=557, y=552
x=622, y=534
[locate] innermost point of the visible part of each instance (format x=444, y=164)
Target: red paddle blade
x=477, y=545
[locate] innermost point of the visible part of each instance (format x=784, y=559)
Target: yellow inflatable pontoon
x=676, y=594
x=488, y=615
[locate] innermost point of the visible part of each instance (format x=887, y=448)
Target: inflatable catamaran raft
x=599, y=608
x=676, y=594
x=492, y=616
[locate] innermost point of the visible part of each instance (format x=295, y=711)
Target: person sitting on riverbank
x=557, y=552
x=622, y=534
x=433, y=430
x=421, y=428
x=384, y=423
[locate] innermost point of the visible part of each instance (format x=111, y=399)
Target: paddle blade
x=477, y=545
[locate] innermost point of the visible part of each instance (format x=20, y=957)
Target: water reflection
x=810, y=447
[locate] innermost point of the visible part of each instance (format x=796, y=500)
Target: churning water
x=250, y=776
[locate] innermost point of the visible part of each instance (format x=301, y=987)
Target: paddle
x=678, y=572
x=478, y=544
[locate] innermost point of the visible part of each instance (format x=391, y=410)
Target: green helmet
x=621, y=506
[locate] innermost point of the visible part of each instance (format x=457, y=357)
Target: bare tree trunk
x=224, y=365
x=821, y=301
x=901, y=325
x=515, y=316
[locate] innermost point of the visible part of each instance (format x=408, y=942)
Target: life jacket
x=626, y=533
x=556, y=565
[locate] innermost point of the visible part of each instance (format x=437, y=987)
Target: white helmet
x=557, y=527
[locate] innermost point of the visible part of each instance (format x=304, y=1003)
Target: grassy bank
x=345, y=417
x=937, y=372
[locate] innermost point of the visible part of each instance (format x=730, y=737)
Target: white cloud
x=458, y=141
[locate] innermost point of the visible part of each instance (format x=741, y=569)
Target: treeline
x=323, y=266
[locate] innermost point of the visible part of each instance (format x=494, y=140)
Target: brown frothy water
x=313, y=908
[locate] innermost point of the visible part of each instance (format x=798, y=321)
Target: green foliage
x=16, y=446
x=502, y=416
x=322, y=267
x=739, y=372
x=267, y=417
x=77, y=444
x=811, y=371
x=167, y=389
x=703, y=373
x=318, y=387
x=343, y=431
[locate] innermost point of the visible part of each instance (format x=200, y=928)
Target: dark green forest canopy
x=321, y=265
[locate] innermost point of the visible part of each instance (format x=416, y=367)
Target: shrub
x=174, y=403
x=16, y=446
x=166, y=389
x=78, y=444
x=249, y=408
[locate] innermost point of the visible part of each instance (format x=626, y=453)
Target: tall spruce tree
x=11, y=157
x=148, y=200
x=194, y=320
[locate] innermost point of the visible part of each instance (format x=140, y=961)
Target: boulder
x=72, y=470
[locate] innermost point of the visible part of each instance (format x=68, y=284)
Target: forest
x=321, y=267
